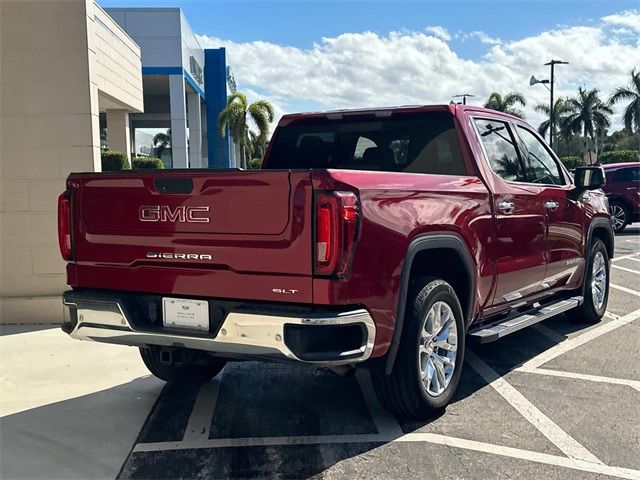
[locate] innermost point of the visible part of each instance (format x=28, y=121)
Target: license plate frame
x=184, y=313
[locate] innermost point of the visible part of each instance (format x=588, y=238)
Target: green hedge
x=619, y=156
x=571, y=162
x=113, y=161
x=147, y=162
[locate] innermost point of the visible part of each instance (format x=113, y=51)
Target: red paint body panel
x=260, y=236
x=111, y=243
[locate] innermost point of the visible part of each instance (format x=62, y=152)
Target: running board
x=494, y=331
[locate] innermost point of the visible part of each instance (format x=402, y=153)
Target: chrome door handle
x=552, y=205
x=506, y=207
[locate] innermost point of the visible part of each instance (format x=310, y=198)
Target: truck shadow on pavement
x=86, y=437
x=266, y=401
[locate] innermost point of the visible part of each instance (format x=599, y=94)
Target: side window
x=627, y=175
x=501, y=149
x=540, y=165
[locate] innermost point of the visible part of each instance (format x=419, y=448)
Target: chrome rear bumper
x=90, y=316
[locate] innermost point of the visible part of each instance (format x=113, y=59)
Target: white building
x=173, y=79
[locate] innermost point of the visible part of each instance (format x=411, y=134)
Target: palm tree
x=630, y=92
x=507, y=103
x=234, y=118
x=162, y=141
x=586, y=114
x=559, y=111
x=257, y=145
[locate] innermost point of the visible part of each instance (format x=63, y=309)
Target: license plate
x=183, y=313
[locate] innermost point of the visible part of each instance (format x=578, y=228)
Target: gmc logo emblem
x=164, y=213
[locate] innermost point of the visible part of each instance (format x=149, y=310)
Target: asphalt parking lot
x=557, y=400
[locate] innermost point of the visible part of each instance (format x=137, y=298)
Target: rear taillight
x=337, y=218
x=64, y=225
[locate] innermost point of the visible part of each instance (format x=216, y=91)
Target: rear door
x=519, y=250
x=564, y=229
x=219, y=234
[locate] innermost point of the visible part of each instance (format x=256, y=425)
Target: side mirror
x=587, y=178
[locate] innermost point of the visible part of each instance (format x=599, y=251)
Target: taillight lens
x=337, y=218
x=64, y=225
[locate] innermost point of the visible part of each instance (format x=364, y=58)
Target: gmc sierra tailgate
x=226, y=234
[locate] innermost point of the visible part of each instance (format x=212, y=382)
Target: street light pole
x=552, y=116
x=464, y=97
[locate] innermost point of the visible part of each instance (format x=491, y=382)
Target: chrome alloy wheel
x=618, y=216
x=598, y=280
x=438, y=348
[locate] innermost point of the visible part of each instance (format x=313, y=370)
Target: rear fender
x=422, y=243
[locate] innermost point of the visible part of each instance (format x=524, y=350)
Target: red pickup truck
x=386, y=237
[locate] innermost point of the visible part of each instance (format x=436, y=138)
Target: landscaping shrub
x=113, y=161
x=147, y=162
x=571, y=162
x=619, y=156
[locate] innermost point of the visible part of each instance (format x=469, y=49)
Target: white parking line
x=625, y=289
x=385, y=422
x=432, y=438
x=631, y=256
x=561, y=439
x=575, y=342
x=625, y=269
x=635, y=384
x=203, y=409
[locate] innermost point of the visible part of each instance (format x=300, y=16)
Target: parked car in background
x=623, y=190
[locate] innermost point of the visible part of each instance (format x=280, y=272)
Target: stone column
x=178, y=106
x=118, y=131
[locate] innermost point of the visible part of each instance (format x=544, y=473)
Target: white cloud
x=628, y=18
x=367, y=69
x=439, y=32
x=478, y=35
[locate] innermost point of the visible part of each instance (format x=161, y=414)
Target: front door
x=564, y=236
x=520, y=216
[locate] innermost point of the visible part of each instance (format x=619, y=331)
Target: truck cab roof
x=382, y=112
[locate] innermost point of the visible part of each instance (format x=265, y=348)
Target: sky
x=318, y=55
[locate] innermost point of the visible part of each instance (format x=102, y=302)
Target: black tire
x=589, y=312
x=180, y=365
x=403, y=392
x=619, y=215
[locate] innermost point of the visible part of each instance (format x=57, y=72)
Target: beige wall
x=48, y=128
x=116, y=62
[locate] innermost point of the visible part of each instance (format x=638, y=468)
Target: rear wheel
x=619, y=216
x=175, y=365
x=596, y=293
x=427, y=369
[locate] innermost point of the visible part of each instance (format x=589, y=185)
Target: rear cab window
x=412, y=143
